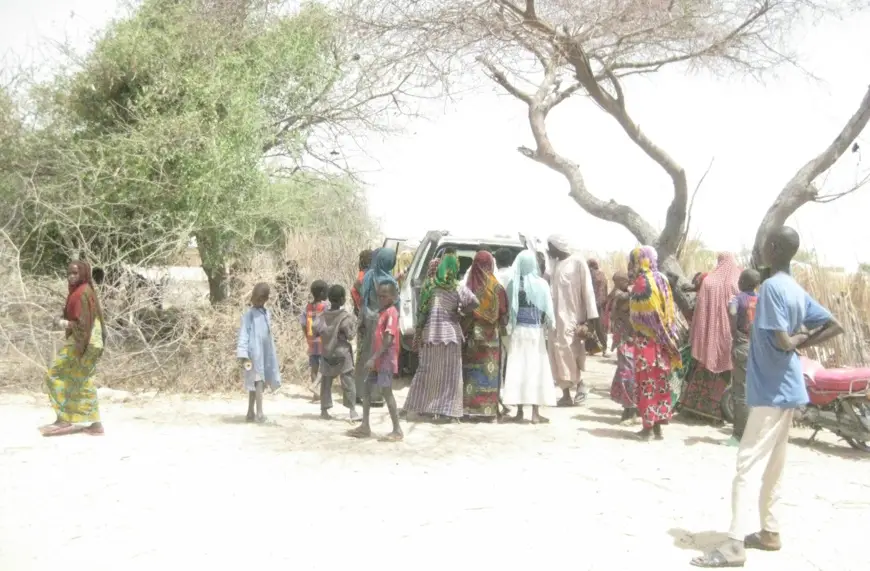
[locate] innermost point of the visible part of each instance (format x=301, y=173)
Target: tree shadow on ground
x=614, y=433
x=840, y=449
x=700, y=541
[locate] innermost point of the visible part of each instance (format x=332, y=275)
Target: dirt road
x=178, y=483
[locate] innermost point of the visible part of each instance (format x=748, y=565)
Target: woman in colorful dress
x=436, y=388
x=481, y=358
x=379, y=273
x=656, y=341
x=529, y=378
x=711, y=341
x=70, y=382
x=617, y=312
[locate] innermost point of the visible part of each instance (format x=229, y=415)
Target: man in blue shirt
x=786, y=319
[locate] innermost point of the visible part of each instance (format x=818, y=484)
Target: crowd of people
x=509, y=333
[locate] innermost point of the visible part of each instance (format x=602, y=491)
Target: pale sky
x=458, y=169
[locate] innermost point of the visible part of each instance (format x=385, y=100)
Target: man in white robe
x=574, y=305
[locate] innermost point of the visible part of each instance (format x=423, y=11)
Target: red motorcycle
x=839, y=402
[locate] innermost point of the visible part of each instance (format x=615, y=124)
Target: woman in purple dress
x=437, y=385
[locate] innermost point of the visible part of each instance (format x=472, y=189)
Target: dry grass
x=188, y=346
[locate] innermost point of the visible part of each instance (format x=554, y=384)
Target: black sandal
x=715, y=560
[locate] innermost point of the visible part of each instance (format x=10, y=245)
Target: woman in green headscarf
x=437, y=385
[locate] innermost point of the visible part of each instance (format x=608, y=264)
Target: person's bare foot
x=324, y=415
x=565, y=401
x=538, y=419
x=250, y=417
x=361, y=431
x=393, y=437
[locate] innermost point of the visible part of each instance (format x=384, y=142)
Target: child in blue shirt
x=786, y=319
x=256, y=352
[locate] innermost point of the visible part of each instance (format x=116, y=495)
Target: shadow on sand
x=840, y=449
x=700, y=541
x=609, y=419
x=241, y=419
x=693, y=440
x=626, y=434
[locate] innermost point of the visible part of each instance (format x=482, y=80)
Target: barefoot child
x=319, y=291
x=383, y=364
x=336, y=328
x=256, y=352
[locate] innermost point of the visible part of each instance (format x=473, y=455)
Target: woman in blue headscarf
x=529, y=379
x=380, y=272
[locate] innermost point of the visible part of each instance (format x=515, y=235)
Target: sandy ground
x=180, y=482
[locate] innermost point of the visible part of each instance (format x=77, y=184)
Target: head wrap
x=379, y=273
x=445, y=278
x=652, y=304
x=527, y=278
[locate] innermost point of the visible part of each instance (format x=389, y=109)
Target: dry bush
x=186, y=345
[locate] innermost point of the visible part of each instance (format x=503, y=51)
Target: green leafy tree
x=194, y=118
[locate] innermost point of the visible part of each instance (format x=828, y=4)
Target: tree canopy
x=189, y=118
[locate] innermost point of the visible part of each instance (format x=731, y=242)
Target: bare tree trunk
x=215, y=267
x=801, y=189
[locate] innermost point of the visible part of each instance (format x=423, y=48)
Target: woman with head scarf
x=380, y=272
x=70, y=383
x=529, y=379
x=656, y=341
x=711, y=341
x=436, y=388
x=481, y=357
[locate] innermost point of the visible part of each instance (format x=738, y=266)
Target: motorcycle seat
x=841, y=380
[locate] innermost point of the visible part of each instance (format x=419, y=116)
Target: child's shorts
x=313, y=361
x=383, y=379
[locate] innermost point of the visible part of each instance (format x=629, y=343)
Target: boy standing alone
x=786, y=319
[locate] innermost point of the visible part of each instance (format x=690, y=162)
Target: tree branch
x=499, y=77
x=685, y=236
x=801, y=188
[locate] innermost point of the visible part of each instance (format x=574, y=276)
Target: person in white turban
x=574, y=305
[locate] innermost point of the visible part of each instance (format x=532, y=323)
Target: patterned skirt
x=481, y=371
x=652, y=373
x=437, y=385
x=623, y=388
x=702, y=392
x=71, y=387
